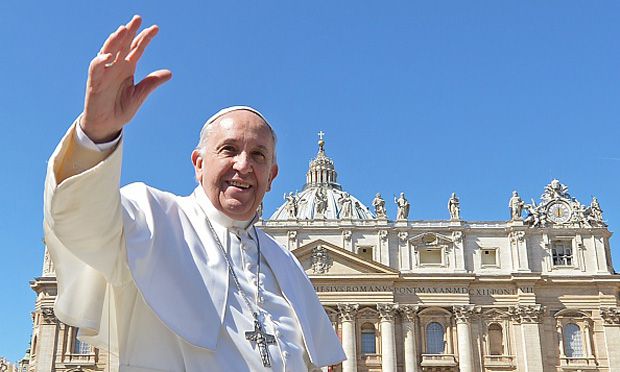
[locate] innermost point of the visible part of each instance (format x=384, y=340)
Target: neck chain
x=258, y=335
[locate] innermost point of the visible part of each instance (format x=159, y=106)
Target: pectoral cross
x=262, y=339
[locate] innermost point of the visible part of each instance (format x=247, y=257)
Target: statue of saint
x=516, y=206
x=454, y=207
x=292, y=204
x=320, y=203
x=346, y=205
x=403, y=207
x=379, y=205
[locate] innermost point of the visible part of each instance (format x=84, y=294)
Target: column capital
x=387, y=311
x=610, y=315
x=464, y=313
x=48, y=315
x=348, y=311
x=409, y=312
x=527, y=313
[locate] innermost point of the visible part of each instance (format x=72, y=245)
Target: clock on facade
x=558, y=212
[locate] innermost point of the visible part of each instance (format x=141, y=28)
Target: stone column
x=611, y=325
x=409, y=318
x=388, y=344
x=463, y=314
x=530, y=317
x=333, y=317
x=347, y=318
x=46, y=340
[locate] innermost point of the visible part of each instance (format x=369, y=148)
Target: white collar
x=217, y=216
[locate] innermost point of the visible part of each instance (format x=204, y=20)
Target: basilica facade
x=535, y=292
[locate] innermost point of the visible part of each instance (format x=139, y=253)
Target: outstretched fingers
x=140, y=42
x=150, y=83
x=132, y=29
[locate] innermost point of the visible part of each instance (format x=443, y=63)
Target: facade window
x=365, y=252
x=488, y=257
x=81, y=347
x=572, y=341
x=431, y=256
x=496, y=339
x=435, y=338
x=369, y=339
x=562, y=253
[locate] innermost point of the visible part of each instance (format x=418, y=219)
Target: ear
x=198, y=163
x=272, y=175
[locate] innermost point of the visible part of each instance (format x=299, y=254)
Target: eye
x=228, y=150
x=259, y=155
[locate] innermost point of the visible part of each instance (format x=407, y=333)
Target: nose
x=242, y=163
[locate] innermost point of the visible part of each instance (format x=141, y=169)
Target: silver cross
x=262, y=339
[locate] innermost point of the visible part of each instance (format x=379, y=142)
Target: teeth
x=240, y=184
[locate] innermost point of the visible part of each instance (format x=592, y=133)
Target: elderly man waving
x=171, y=283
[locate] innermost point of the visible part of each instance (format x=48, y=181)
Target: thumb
x=150, y=83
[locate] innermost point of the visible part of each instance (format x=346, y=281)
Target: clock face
x=559, y=212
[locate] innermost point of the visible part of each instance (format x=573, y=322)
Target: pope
x=167, y=282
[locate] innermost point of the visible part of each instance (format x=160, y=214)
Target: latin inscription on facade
x=422, y=290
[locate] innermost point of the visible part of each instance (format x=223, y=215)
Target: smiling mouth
x=239, y=184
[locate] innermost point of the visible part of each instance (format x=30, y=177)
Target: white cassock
x=140, y=274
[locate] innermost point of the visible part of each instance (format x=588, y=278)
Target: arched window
x=572, y=341
x=434, y=338
x=369, y=339
x=496, y=339
x=81, y=347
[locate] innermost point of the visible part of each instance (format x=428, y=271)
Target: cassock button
x=278, y=334
x=248, y=266
x=285, y=354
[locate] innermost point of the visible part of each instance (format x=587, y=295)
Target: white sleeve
x=83, y=140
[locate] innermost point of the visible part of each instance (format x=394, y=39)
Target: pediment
x=430, y=239
x=322, y=258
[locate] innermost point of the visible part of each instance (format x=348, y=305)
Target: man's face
x=238, y=164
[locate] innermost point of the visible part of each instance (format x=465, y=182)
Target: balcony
x=499, y=361
x=577, y=363
x=438, y=360
x=79, y=359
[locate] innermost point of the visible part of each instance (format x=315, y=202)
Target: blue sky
x=475, y=97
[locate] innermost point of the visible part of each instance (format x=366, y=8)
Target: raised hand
x=112, y=98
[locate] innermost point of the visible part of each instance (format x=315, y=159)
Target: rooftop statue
x=516, y=205
x=379, y=205
x=403, y=207
x=454, y=207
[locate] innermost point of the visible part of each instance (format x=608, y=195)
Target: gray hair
x=208, y=126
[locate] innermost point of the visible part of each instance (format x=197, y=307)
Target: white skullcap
x=225, y=111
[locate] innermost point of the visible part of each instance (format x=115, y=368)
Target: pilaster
x=409, y=323
x=611, y=325
x=529, y=318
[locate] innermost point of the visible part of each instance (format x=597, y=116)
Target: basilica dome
x=322, y=197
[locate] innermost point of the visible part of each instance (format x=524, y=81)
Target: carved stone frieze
x=464, y=313
x=292, y=235
x=321, y=261
x=383, y=234
x=610, y=315
x=347, y=234
x=526, y=313
x=408, y=312
x=348, y=312
x=48, y=315
x=387, y=311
